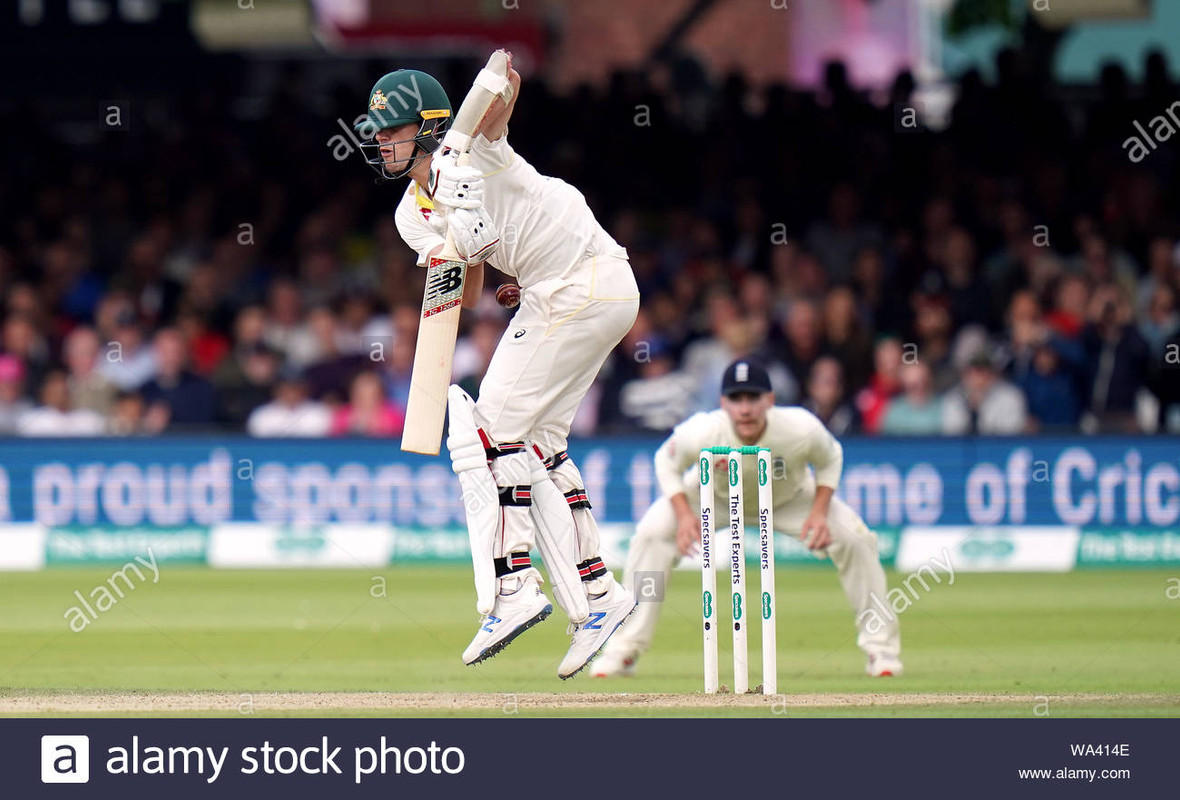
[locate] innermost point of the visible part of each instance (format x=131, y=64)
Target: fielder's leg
x=650, y=560
x=853, y=550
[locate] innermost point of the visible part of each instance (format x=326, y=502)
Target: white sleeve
x=414, y=229
x=677, y=454
x=491, y=157
x=825, y=454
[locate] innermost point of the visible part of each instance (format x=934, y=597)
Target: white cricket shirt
x=796, y=439
x=546, y=228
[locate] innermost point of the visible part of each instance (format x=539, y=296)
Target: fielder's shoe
x=607, y=613
x=514, y=613
x=611, y=664
x=881, y=666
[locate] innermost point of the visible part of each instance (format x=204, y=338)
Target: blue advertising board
x=1116, y=482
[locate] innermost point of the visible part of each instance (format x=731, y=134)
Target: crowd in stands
x=211, y=270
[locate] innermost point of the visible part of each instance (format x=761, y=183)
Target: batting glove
x=475, y=235
x=454, y=186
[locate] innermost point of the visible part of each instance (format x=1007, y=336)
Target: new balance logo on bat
x=446, y=281
x=444, y=286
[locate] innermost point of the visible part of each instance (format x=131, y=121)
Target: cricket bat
x=445, y=276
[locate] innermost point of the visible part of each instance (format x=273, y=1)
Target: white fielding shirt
x=546, y=228
x=796, y=439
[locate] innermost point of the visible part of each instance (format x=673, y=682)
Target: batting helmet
x=399, y=98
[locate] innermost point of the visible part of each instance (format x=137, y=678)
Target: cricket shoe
x=880, y=666
x=607, y=612
x=611, y=664
x=520, y=605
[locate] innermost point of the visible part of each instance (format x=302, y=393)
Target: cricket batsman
x=578, y=297
x=804, y=506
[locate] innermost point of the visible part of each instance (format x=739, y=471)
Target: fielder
x=578, y=298
x=805, y=506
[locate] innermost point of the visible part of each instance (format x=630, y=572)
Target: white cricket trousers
x=543, y=366
x=551, y=352
x=853, y=550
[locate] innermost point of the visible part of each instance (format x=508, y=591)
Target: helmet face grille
x=426, y=141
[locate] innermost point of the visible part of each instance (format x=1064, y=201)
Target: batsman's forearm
x=472, y=285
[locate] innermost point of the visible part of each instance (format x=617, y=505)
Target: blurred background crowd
x=226, y=262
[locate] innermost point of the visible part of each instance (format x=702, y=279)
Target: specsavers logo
x=976, y=548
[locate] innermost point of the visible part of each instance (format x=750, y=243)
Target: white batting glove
x=454, y=186
x=475, y=235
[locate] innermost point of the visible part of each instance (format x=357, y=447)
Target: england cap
x=745, y=376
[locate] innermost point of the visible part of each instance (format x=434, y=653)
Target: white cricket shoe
x=614, y=664
x=514, y=613
x=881, y=666
x=607, y=612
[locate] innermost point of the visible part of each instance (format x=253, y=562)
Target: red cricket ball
x=508, y=295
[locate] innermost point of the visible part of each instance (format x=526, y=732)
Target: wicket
x=737, y=568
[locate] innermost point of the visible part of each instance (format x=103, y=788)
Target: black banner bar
x=567, y=759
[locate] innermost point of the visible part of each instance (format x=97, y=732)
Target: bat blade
x=441, y=300
x=434, y=352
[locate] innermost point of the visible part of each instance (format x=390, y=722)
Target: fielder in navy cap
x=745, y=377
x=806, y=465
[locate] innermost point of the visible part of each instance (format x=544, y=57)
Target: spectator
x=846, y=337
x=291, y=413
x=934, y=331
x=131, y=417
x=803, y=338
x=207, y=347
x=127, y=361
x=89, y=389
x=884, y=383
x=1050, y=389
x=1099, y=265
x=287, y=326
x=22, y=340
x=917, y=411
x=730, y=337
x=1118, y=361
x=398, y=363
x=825, y=396
x=328, y=377
x=657, y=400
x=13, y=403
x=1163, y=265
x=188, y=398
x=837, y=239
x=249, y=333
x=983, y=402
x=260, y=371
x=968, y=294
x=1165, y=383
x=1071, y=298
x=55, y=416
x=367, y=412
x=1160, y=319
x=473, y=353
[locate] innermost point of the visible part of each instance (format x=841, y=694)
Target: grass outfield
x=1101, y=643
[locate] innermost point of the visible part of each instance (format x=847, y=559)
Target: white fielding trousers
x=853, y=550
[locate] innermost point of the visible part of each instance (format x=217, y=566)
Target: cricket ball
x=508, y=295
